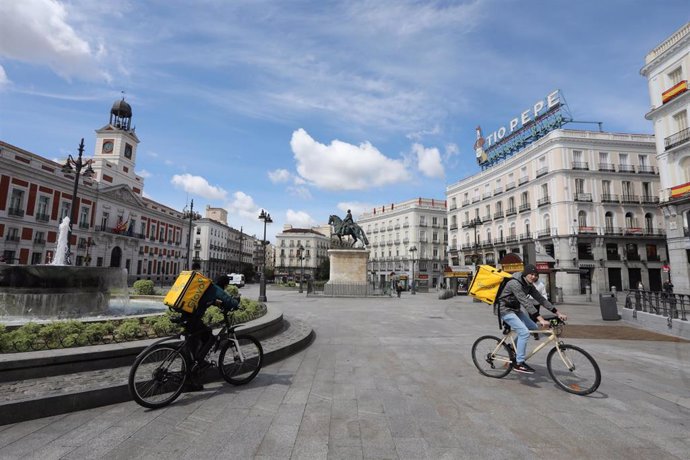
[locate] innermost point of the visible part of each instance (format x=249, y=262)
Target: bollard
x=588, y=293
x=614, y=291
x=559, y=295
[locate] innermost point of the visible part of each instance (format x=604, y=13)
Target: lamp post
x=189, y=214
x=266, y=217
x=300, y=252
x=474, y=223
x=413, y=249
x=72, y=165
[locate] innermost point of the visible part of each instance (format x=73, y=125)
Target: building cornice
x=669, y=46
x=670, y=106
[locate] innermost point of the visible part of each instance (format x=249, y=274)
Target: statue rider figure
x=347, y=222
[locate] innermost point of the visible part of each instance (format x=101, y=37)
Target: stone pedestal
x=348, y=276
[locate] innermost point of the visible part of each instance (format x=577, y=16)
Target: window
x=642, y=159
x=627, y=188
x=647, y=189
x=579, y=186
x=606, y=187
x=629, y=220
x=582, y=219
x=128, y=151
x=608, y=221
x=17, y=199
x=524, y=198
x=603, y=157
x=64, y=210
x=675, y=76
x=43, y=202
x=104, y=220
x=544, y=190
x=84, y=218
x=499, y=207
x=577, y=156
x=681, y=120
x=623, y=158
x=649, y=222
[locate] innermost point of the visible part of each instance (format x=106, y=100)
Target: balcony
x=475, y=199
x=607, y=167
x=626, y=168
x=15, y=212
x=674, y=91
x=543, y=201
x=612, y=256
x=609, y=198
x=542, y=171
x=499, y=240
x=646, y=199
x=486, y=196
x=524, y=207
x=453, y=207
x=39, y=241
x=674, y=140
x=42, y=217
x=630, y=199
x=453, y=227
x=465, y=203
x=12, y=238
x=585, y=230
x=84, y=225
x=544, y=233
x=644, y=169
x=486, y=218
x=523, y=180
x=525, y=236
x=510, y=186
x=583, y=197
x=511, y=239
x=612, y=231
x=580, y=166
x=422, y=224
x=498, y=191
x=498, y=215
x=511, y=211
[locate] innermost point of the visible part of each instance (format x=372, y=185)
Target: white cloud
x=355, y=207
x=198, y=186
x=300, y=192
x=4, y=81
x=144, y=173
x=428, y=161
x=243, y=205
x=343, y=166
x=418, y=135
x=38, y=32
x=279, y=175
x=452, y=150
x=299, y=219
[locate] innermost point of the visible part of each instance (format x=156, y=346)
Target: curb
x=44, y=406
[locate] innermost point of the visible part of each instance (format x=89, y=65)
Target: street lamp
x=189, y=214
x=266, y=217
x=300, y=254
x=473, y=224
x=71, y=165
x=413, y=249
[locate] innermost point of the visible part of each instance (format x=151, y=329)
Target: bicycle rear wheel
x=574, y=370
x=240, y=366
x=157, y=376
x=491, y=359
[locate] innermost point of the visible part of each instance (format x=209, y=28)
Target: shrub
x=96, y=332
x=232, y=290
x=24, y=338
x=144, y=287
x=161, y=325
x=128, y=329
x=61, y=333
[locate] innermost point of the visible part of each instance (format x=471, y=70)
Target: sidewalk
x=393, y=378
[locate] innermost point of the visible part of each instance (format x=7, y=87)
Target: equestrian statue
x=347, y=227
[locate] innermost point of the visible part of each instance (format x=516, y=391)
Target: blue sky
x=308, y=108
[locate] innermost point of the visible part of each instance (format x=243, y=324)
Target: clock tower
x=116, y=150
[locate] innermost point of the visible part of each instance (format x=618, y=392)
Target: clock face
x=128, y=151
x=107, y=146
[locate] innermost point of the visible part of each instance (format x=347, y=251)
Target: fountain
x=60, y=291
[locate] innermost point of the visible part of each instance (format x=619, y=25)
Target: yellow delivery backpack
x=185, y=294
x=488, y=283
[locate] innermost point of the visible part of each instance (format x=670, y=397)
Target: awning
x=544, y=257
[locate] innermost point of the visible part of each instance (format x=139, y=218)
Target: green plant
x=128, y=329
x=24, y=338
x=161, y=325
x=213, y=316
x=96, y=332
x=61, y=333
x=144, y=287
x=232, y=290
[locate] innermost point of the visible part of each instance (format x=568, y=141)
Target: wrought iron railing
x=672, y=306
x=676, y=139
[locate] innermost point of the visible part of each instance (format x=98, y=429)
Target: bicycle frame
x=553, y=338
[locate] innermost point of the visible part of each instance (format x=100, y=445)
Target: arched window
x=608, y=222
x=582, y=219
x=629, y=220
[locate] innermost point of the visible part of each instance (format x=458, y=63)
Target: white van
x=236, y=279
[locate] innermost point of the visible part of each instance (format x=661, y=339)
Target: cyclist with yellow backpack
x=515, y=295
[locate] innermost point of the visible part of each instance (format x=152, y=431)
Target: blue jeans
x=521, y=323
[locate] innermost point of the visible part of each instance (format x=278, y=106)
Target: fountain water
x=58, y=290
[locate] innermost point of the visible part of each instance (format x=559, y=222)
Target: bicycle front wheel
x=157, y=376
x=573, y=369
x=240, y=366
x=492, y=359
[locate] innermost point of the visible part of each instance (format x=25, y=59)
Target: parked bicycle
x=572, y=368
x=160, y=372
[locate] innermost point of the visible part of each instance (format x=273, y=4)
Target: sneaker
x=523, y=368
x=536, y=336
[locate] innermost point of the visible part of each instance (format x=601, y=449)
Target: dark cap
x=529, y=269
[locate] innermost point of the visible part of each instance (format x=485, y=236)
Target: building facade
x=584, y=203
x=290, y=262
x=667, y=68
x=407, y=241
x=116, y=225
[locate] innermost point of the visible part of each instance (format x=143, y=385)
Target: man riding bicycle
x=515, y=295
x=201, y=335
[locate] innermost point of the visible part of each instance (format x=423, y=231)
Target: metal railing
x=349, y=289
x=672, y=306
x=676, y=139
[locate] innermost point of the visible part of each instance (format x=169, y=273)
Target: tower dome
x=121, y=114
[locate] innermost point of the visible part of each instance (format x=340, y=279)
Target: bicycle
x=575, y=371
x=161, y=370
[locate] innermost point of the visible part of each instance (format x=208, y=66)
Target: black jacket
x=515, y=294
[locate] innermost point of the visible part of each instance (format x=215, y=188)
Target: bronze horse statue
x=341, y=229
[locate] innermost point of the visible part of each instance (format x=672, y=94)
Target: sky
x=310, y=108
